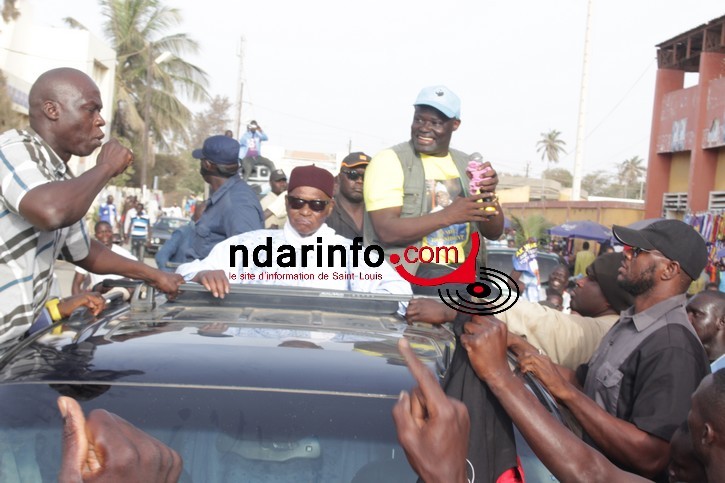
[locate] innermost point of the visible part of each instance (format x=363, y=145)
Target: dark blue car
x=270, y=384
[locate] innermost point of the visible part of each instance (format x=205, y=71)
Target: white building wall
x=28, y=48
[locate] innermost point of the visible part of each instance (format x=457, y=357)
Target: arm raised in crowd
x=565, y=455
x=58, y=204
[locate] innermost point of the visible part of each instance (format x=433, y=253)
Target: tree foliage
x=624, y=183
x=629, y=173
x=551, y=146
x=141, y=33
x=597, y=183
x=563, y=176
x=532, y=226
x=213, y=120
x=178, y=173
x=8, y=117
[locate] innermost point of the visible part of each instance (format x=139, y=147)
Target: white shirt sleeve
x=219, y=258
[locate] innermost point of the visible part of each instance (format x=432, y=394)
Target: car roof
x=258, y=337
x=166, y=218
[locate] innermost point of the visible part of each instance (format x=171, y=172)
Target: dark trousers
x=138, y=248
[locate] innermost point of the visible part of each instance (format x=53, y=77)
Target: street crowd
x=634, y=359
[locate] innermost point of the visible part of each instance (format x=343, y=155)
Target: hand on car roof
x=166, y=282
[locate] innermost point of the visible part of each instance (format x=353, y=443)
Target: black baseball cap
x=277, y=175
x=355, y=160
x=675, y=239
x=605, y=269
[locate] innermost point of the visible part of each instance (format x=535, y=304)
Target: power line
x=630, y=146
x=621, y=100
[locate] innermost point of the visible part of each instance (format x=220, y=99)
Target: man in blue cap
x=401, y=184
x=233, y=207
x=405, y=217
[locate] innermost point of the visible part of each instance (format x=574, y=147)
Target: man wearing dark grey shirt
x=635, y=390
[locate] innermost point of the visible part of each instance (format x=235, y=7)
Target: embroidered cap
x=441, y=98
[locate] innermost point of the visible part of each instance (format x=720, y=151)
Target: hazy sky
x=321, y=74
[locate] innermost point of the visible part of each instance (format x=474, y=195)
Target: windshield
x=503, y=262
x=222, y=434
x=171, y=223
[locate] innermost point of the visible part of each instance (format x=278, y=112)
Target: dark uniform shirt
x=647, y=367
x=233, y=209
x=343, y=224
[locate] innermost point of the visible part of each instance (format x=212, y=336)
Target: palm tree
x=532, y=226
x=549, y=146
x=630, y=171
x=150, y=57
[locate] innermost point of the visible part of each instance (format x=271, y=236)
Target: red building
x=686, y=170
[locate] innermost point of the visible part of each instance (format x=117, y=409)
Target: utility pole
x=579, y=153
x=147, y=144
x=240, y=92
x=146, y=119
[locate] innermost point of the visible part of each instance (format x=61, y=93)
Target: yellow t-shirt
x=384, y=189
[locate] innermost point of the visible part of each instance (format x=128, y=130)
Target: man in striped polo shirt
x=42, y=204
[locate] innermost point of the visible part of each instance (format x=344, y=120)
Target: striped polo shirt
x=27, y=254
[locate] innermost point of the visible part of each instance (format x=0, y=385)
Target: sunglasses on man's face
x=315, y=205
x=634, y=252
x=353, y=175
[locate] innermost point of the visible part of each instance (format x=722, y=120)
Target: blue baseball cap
x=441, y=98
x=219, y=150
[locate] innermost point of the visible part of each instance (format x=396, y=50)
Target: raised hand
x=432, y=428
x=107, y=448
x=114, y=154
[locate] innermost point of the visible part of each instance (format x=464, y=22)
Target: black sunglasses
x=315, y=205
x=634, y=251
x=353, y=175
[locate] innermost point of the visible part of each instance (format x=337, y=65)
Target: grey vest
x=414, y=199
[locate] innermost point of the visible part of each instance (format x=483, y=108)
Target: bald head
x=56, y=85
x=706, y=312
x=712, y=392
x=714, y=297
x=684, y=465
x=65, y=107
x=707, y=422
